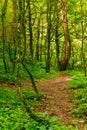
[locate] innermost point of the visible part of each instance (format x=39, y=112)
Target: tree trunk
x=38, y=36
x=31, y=77
x=84, y=60
x=41, y=44
x=14, y=28
x=48, y=35
x=4, y=9
x=57, y=33
x=24, y=29
x=63, y=64
x=30, y=30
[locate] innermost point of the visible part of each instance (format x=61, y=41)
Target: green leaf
x=53, y=119
x=43, y=127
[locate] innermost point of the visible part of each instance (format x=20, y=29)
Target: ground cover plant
x=79, y=85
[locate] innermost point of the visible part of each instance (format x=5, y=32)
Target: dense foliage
x=37, y=69
x=41, y=32
x=37, y=38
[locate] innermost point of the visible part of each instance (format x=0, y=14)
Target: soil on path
x=57, y=102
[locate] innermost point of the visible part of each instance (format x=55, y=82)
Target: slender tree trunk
x=73, y=62
x=31, y=77
x=30, y=29
x=14, y=28
x=37, y=44
x=24, y=29
x=57, y=33
x=4, y=9
x=41, y=44
x=14, y=22
x=18, y=66
x=48, y=35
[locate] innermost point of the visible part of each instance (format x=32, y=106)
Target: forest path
x=58, y=101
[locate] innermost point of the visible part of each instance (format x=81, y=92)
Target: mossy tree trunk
x=30, y=29
x=18, y=66
x=63, y=64
x=4, y=9
x=84, y=60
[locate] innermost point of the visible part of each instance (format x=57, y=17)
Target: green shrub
x=79, y=84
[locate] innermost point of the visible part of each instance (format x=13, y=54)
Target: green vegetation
x=79, y=85
x=37, y=37
x=13, y=116
x=36, y=68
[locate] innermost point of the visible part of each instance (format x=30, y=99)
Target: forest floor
x=57, y=101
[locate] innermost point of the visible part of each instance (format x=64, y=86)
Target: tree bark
x=57, y=32
x=48, y=35
x=63, y=64
x=31, y=77
x=37, y=44
x=30, y=30
x=84, y=60
x=4, y=9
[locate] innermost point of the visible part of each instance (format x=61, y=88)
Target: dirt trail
x=57, y=102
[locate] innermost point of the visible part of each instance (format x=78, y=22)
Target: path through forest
x=58, y=101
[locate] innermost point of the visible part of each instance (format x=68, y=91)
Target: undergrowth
x=14, y=117
x=79, y=85
x=37, y=69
